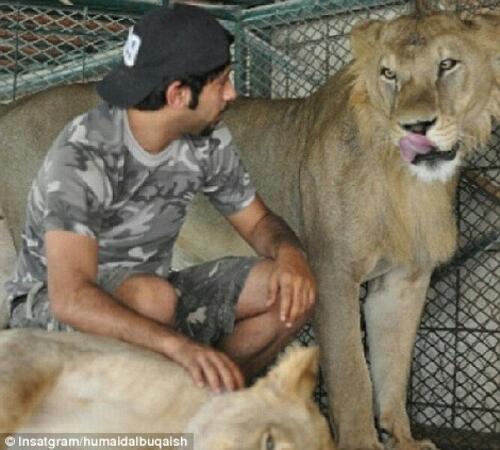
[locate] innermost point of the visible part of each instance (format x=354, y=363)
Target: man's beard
x=207, y=131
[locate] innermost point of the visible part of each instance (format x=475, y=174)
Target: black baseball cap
x=168, y=41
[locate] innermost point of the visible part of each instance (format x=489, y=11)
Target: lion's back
x=27, y=129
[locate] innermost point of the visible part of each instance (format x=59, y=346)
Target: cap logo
x=131, y=48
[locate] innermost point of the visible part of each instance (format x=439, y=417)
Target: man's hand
x=291, y=280
x=208, y=366
x=293, y=283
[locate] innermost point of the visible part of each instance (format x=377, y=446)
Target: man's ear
x=295, y=374
x=177, y=95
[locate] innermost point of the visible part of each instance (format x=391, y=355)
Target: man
x=111, y=196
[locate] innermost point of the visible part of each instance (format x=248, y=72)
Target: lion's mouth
x=436, y=155
x=417, y=148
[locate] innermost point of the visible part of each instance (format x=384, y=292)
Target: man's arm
x=78, y=301
x=292, y=280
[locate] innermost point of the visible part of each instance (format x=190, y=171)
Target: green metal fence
x=287, y=49
x=42, y=46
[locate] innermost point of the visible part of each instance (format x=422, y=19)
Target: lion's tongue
x=413, y=144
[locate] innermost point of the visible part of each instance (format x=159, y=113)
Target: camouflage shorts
x=207, y=297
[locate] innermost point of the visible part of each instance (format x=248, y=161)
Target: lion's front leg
x=392, y=312
x=337, y=326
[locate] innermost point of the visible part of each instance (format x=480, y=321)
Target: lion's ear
x=484, y=28
x=364, y=36
x=296, y=372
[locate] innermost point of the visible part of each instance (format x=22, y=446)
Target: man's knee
x=285, y=331
x=254, y=295
x=149, y=295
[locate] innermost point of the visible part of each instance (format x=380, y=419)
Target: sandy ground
x=7, y=259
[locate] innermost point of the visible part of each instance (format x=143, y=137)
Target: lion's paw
x=425, y=444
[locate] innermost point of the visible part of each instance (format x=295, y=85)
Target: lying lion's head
x=278, y=413
x=434, y=83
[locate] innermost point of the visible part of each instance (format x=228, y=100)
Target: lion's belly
x=379, y=267
x=206, y=236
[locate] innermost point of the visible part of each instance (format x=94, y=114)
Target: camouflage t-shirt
x=97, y=181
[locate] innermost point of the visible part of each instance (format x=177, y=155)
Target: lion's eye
x=447, y=64
x=388, y=74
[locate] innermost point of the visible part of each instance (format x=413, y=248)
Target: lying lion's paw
x=425, y=444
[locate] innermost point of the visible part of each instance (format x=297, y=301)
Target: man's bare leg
x=259, y=334
x=150, y=296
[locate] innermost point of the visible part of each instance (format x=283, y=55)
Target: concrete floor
x=7, y=260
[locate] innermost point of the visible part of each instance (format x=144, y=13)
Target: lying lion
x=56, y=382
x=364, y=170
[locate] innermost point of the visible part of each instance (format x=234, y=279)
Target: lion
x=52, y=382
x=364, y=170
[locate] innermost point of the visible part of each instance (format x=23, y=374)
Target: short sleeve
x=227, y=183
x=75, y=190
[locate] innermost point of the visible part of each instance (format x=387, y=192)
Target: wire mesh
x=294, y=47
x=41, y=46
x=288, y=49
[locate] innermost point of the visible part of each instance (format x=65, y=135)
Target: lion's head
x=277, y=413
x=433, y=82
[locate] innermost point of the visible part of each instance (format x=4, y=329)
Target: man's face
x=213, y=100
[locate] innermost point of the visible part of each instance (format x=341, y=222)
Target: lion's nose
x=419, y=127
